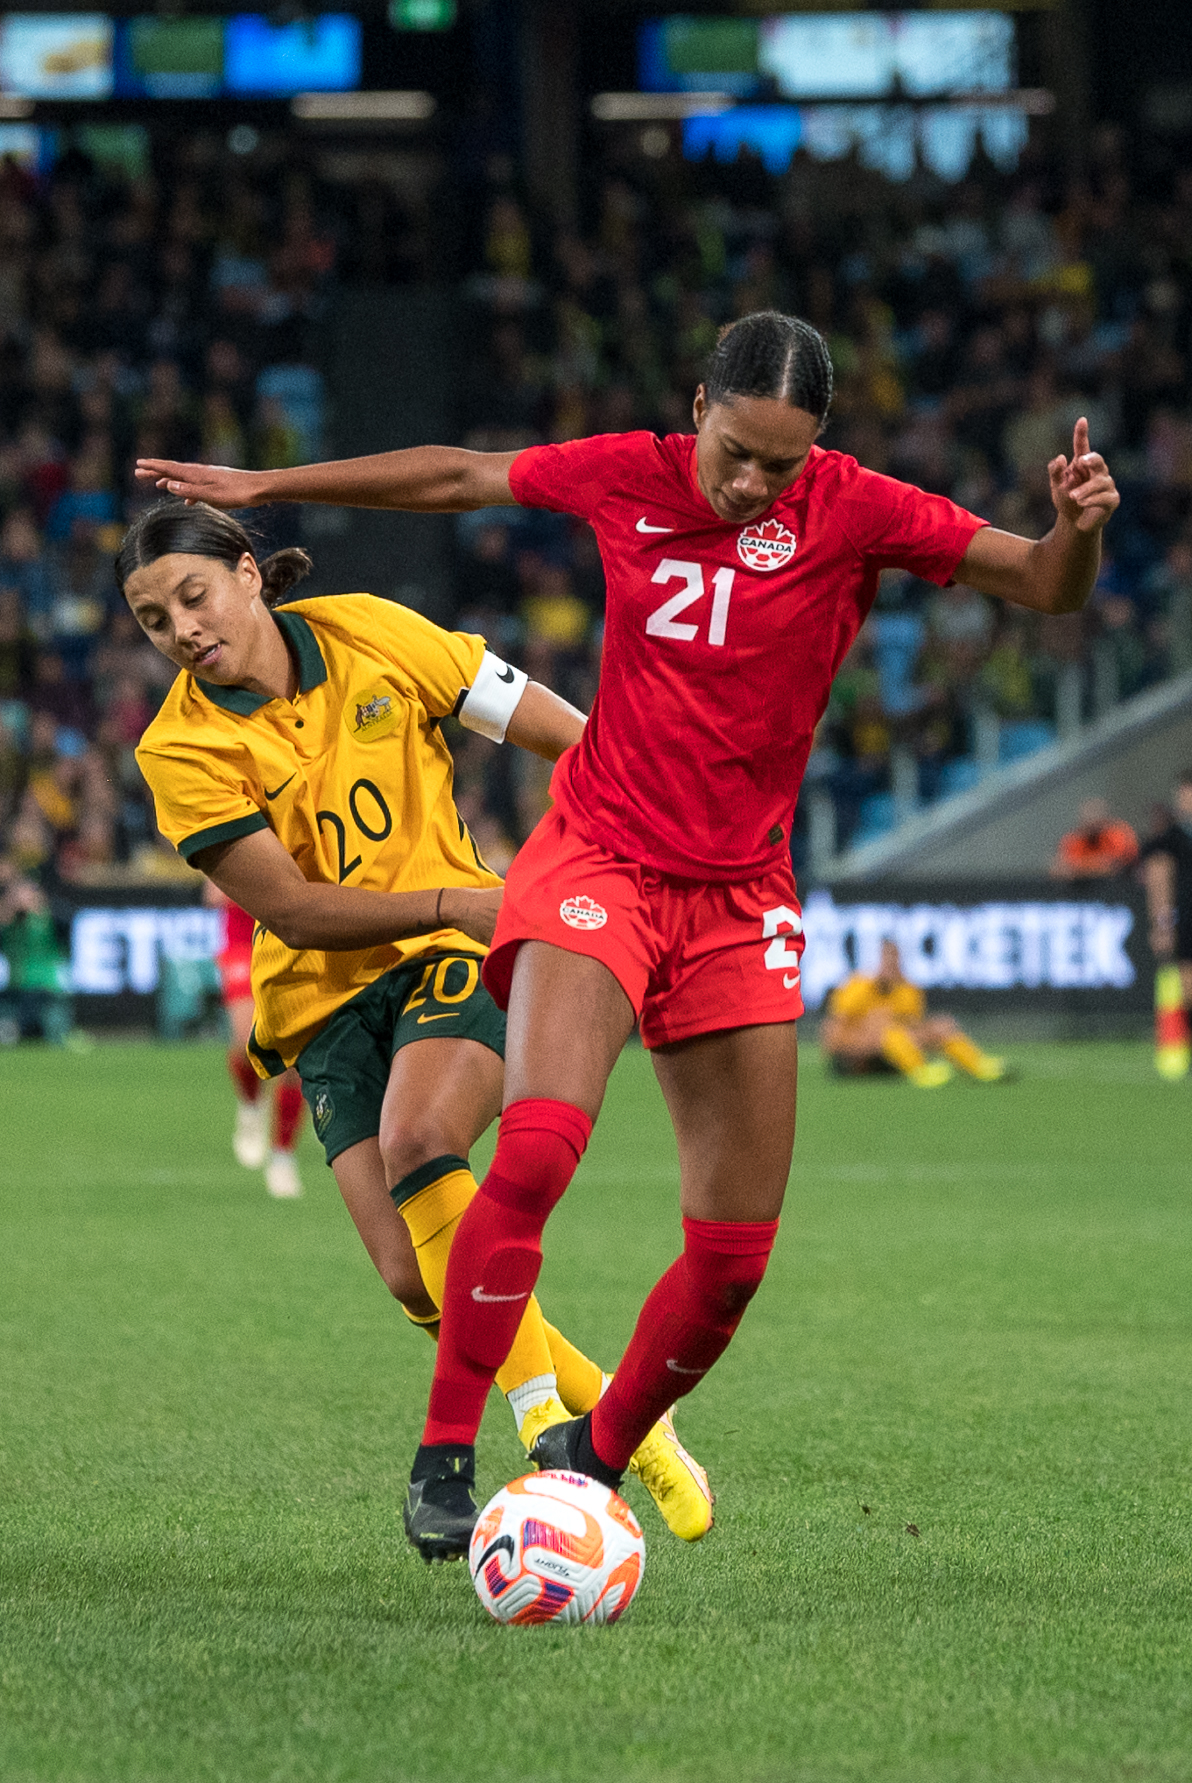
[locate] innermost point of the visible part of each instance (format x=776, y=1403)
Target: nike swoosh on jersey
x=643, y=525
x=789, y=980
x=506, y=675
x=675, y=1369
x=446, y=1016
x=491, y=1299
x=272, y=795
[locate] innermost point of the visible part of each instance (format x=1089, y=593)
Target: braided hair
x=203, y=531
x=769, y=354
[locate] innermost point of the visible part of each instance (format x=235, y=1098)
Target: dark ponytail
x=203, y=531
x=769, y=354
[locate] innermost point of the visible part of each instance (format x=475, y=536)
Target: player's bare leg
x=732, y=1099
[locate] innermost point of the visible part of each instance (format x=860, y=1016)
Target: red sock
x=495, y=1258
x=248, y=1084
x=684, y=1326
x=287, y=1112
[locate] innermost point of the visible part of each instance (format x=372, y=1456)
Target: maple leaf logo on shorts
x=769, y=546
x=583, y=913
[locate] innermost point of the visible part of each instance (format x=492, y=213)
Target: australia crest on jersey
x=373, y=712
x=766, y=545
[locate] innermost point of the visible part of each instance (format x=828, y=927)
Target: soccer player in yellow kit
x=298, y=760
x=879, y=1022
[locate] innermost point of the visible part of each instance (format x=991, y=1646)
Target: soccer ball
x=556, y=1547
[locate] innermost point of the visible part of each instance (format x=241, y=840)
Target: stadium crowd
x=174, y=313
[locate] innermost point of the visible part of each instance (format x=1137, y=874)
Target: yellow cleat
x=991, y=1070
x=551, y=1411
x=932, y=1076
x=675, y=1481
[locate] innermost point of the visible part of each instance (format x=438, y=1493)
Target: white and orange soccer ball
x=556, y=1547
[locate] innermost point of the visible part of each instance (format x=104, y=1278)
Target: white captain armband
x=490, y=702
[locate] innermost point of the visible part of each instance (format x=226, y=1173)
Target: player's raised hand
x=1081, y=487
x=214, y=483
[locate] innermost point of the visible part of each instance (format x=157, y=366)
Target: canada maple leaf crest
x=583, y=912
x=768, y=545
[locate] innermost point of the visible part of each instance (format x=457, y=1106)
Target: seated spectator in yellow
x=1099, y=845
x=881, y=1024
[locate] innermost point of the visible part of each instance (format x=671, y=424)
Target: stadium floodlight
x=657, y=108
x=398, y=107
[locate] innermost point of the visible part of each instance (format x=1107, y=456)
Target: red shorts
x=691, y=957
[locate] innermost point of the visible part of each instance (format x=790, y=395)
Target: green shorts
x=345, y=1068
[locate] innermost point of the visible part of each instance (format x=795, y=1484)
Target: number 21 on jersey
x=664, y=621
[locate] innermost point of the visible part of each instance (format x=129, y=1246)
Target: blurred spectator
x=1098, y=847
x=166, y=314
x=34, y=1002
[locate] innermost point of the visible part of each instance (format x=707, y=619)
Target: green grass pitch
x=976, y=1327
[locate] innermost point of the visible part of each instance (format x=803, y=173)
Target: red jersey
x=238, y=928
x=721, y=639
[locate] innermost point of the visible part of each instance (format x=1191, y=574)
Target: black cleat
x=567, y=1448
x=440, y=1512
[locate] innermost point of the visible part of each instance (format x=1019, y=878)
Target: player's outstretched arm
x=425, y=479
x=258, y=874
x=544, y=723
x=1054, y=574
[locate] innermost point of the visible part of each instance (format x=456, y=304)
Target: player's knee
x=410, y=1145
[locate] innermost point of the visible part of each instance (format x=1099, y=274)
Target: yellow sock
x=432, y=1213
x=966, y=1056
x=580, y=1380
x=900, y=1049
x=430, y=1326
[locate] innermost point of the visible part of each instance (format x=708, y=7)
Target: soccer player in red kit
x=740, y=564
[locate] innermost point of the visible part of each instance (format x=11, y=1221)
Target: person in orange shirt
x=881, y=1023
x=1098, y=846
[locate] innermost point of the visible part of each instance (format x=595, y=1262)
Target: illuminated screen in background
x=876, y=54
x=816, y=57
x=91, y=56
x=67, y=56
x=859, y=55
x=318, y=55
x=180, y=58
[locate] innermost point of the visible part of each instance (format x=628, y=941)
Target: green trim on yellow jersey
x=221, y=832
x=312, y=670
x=352, y=775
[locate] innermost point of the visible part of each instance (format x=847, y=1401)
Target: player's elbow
x=1057, y=601
x=295, y=924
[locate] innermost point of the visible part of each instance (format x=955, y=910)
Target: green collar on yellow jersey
x=312, y=670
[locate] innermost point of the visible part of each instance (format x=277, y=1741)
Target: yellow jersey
x=859, y=996
x=352, y=776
